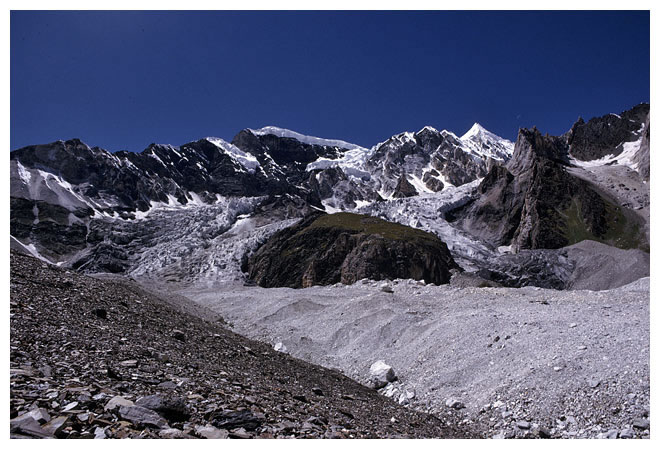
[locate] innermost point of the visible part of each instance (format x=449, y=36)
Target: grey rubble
x=509, y=355
x=67, y=379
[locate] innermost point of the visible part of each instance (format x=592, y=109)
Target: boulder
x=211, y=432
x=171, y=433
x=229, y=419
x=454, y=403
x=116, y=402
x=56, y=425
x=381, y=374
x=27, y=425
x=143, y=417
x=170, y=407
x=40, y=415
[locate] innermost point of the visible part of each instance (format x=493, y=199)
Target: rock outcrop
x=344, y=247
x=602, y=136
x=534, y=203
x=404, y=188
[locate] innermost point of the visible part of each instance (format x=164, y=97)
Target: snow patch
x=418, y=184
x=247, y=160
x=329, y=208
x=23, y=173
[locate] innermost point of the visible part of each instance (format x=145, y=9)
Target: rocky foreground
x=94, y=358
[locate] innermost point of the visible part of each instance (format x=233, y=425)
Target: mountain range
x=509, y=212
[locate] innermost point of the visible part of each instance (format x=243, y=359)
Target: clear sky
x=121, y=80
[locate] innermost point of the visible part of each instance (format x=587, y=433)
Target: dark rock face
x=49, y=225
x=534, y=203
x=494, y=216
x=433, y=183
x=283, y=158
x=404, y=188
x=345, y=247
x=334, y=183
x=452, y=159
x=603, y=135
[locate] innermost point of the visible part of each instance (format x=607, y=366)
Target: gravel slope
x=79, y=343
x=571, y=363
x=599, y=266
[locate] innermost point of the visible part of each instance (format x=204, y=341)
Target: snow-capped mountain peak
x=483, y=142
x=311, y=140
x=475, y=130
x=427, y=128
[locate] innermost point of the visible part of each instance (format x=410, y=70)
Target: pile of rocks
x=516, y=418
x=102, y=359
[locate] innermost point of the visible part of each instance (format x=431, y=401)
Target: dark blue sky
x=121, y=80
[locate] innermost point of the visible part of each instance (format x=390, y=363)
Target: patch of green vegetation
x=622, y=227
x=358, y=223
x=576, y=230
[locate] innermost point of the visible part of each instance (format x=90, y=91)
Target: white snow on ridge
x=428, y=128
x=37, y=184
x=329, y=208
x=247, y=160
x=446, y=133
x=311, y=140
